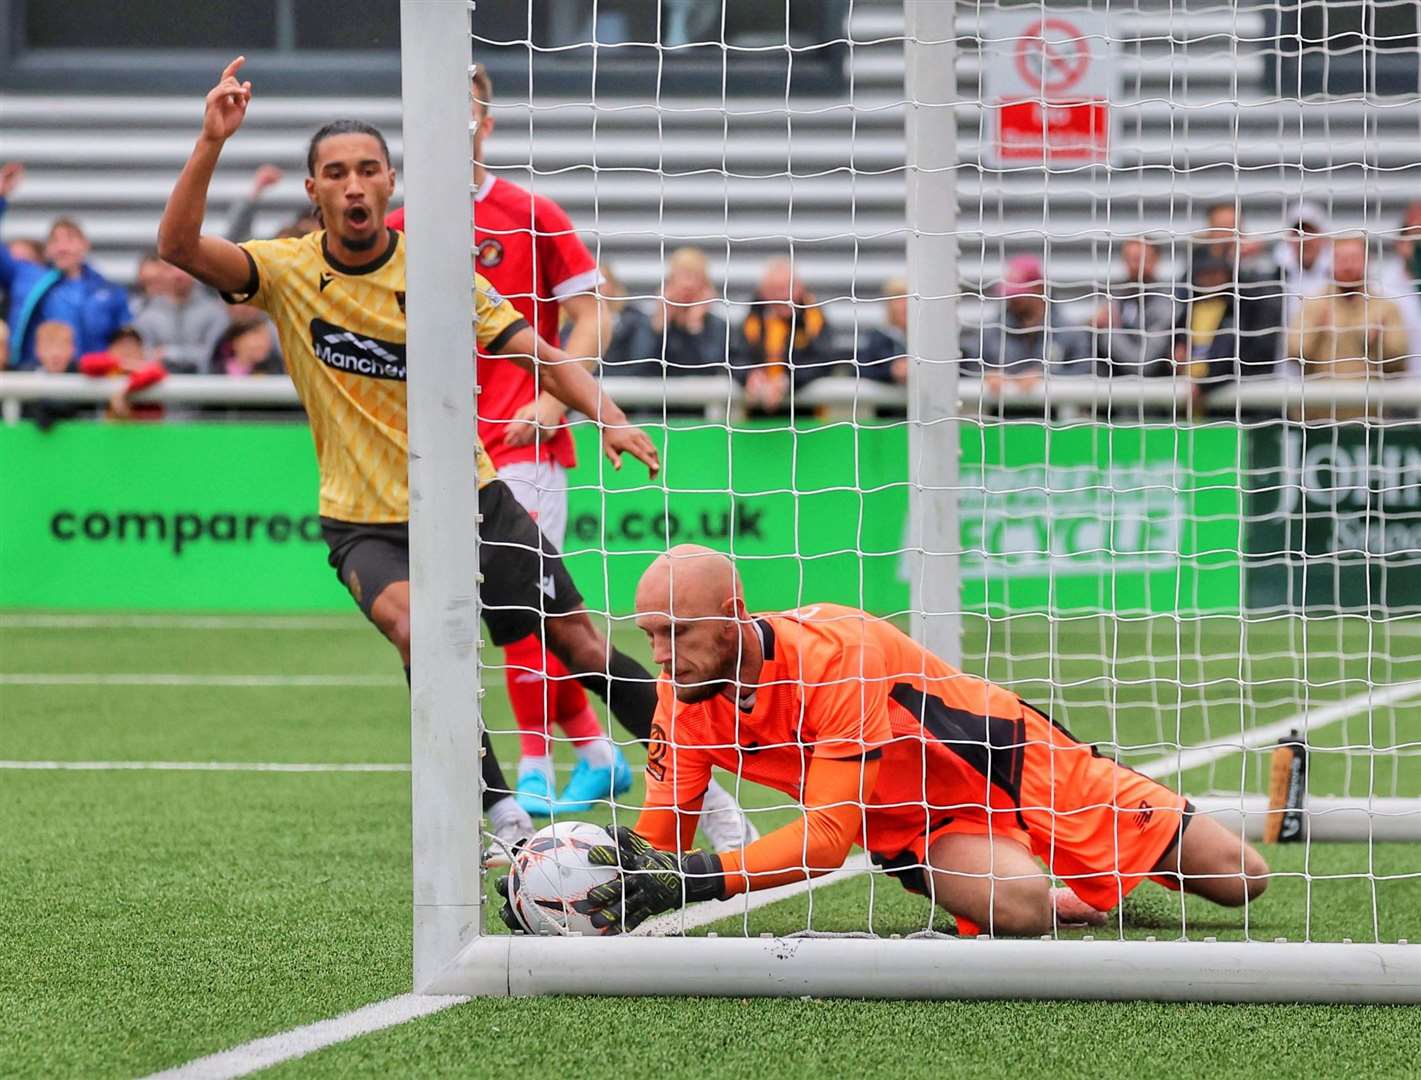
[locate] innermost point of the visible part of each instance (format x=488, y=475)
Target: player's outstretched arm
x=213, y=260
x=576, y=387
x=653, y=881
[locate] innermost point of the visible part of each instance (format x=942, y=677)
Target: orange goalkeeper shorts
x=1100, y=827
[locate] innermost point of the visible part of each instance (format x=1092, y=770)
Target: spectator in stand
x=55, y=352
x=1134, y=325
x=150, y=280
x=181, y=321
x=1304, y=257
x=1224, y=231
x=1348, y=331
x=633, y=348
x=883, y=351
x=782, y=345
x=1401, y=281
x=696, y=339
x=1227, y=329
x=66, y=290
x=681, y=336
x=243, y=214
x=247, y=347
x=26, y=249
x=1022, y=345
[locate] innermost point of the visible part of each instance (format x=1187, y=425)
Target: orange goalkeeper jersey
x=840, y=690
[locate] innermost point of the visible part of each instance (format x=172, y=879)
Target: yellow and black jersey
x=342, y=331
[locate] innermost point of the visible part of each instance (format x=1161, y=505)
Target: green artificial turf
x=152, y=917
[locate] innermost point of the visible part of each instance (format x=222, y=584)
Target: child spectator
x=54, y=349
x=247, y=347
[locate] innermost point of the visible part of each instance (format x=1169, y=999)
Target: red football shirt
x=528, y=250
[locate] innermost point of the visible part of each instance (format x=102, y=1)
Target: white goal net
x=1080, y=342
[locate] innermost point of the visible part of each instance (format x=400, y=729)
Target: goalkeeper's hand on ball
x=649, y=882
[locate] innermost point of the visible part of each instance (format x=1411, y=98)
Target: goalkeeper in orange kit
x=952, y=784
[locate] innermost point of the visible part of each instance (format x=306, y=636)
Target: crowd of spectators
x=1315, y=302
x=62, y=315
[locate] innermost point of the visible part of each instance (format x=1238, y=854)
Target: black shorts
x=524, y=576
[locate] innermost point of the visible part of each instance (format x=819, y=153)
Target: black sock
x=629, y=691
x=495, y=783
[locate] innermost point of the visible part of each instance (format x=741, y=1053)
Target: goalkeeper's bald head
x=691, y=605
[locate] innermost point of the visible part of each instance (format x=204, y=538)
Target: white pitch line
x=298, y=1042
x=25, y=678
x=207, y=766
x=250, y=1057
x=714, y=910
x=181, y=622
x=1306, y=722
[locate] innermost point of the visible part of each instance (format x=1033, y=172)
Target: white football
x=551, y=872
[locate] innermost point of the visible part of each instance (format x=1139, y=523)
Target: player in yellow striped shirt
x=337, y=298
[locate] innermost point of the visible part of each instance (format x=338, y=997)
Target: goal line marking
x=182, y=622
x=298, y=1042
x=1307, y=721
x=208, y=766
x=27, y=678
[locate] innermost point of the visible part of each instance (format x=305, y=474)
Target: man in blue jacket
x=65, y=289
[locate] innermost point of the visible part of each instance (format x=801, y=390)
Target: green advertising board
x=222, y=516
x=1334, y=516
x=1100, y=517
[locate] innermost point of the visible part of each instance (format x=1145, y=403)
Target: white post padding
x=933, y=448
x=1326, y=819
x=444, y=618
x=943, y=969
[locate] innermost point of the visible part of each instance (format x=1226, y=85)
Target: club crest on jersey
x=357, y=354
x=490, y=252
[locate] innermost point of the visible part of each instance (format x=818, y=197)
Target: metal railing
x=720, y=398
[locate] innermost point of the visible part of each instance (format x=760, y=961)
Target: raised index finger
x=231, y=69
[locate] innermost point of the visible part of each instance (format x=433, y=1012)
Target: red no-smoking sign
x=1052, y=55
x=1048, y=79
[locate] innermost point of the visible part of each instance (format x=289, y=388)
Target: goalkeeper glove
x=510, y=920
x=650, y=882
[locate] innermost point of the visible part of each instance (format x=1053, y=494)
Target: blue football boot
x=591, y=784
x=535, y=793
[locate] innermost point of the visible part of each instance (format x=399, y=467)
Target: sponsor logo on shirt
x=356, y=354
x=490, y=253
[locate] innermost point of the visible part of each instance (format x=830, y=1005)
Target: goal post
x=930, y=54
x=445, y=633
x=459, y=945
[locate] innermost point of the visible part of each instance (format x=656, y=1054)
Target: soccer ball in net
x=551, y=872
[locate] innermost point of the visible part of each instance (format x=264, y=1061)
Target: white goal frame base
x=452, y=954
x=937, y=968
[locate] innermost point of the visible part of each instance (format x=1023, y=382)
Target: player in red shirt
x=954, y=785
x=528, y=249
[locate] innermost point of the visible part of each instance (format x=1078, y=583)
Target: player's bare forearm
x=211, y=259
x=567, y=381
x=591, y=327
x=573, y=385
x=815, y=843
